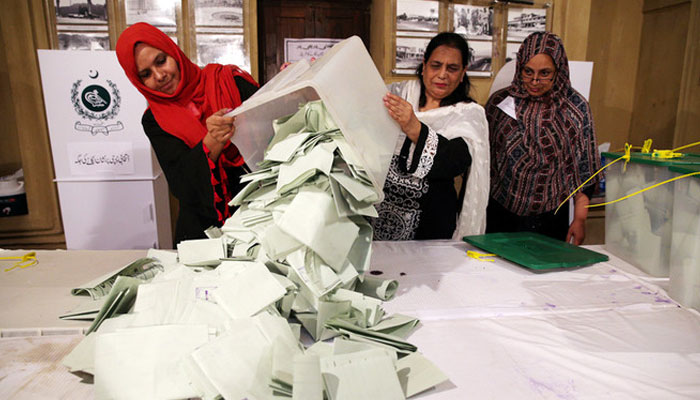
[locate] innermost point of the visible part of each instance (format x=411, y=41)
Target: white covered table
x=500, y=331
x=496, y=329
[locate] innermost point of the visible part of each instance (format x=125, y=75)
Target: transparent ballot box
x=685, y=238
x=638, y=229
x=349, y=85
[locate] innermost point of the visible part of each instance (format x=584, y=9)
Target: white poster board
x=306, y=49
x=94, y=112
x=111, y=190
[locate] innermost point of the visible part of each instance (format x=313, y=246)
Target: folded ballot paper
x=276, y=303
x=104, y=300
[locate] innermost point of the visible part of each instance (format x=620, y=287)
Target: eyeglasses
x=544, y=76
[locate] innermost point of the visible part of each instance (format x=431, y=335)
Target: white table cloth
x=498, y=330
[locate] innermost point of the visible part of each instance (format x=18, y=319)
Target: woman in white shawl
x=445, y=135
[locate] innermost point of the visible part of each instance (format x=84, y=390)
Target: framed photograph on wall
x=222, y=49
x=512, y=51
x=218, y=12
x=80, y=12
x=298, y=49
x=480, y=58
x=417, y=15
x=409, y=54
x=524, y=21
x=473, y=22
x=157, y=13
x=83, y=41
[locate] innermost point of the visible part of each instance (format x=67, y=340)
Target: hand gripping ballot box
x=685, y=238
x=349, y=85
x=638, y=229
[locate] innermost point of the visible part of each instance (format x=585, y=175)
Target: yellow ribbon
x=24, y=261
x=664, y=154
x=631, y=147
x=478, y=256
x=644, y=190
x=686, y=146
x=646, y=148
x=625, y=157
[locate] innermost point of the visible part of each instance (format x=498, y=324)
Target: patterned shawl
x=541, y=157
x=465, y=120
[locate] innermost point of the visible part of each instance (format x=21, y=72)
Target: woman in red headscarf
x=186, y=125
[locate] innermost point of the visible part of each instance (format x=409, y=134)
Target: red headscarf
x=200, y=93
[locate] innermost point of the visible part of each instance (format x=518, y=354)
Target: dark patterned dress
x=542, y=155
x=421, y=201
x=192, y=175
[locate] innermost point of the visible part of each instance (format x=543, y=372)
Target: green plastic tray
x=535, y=251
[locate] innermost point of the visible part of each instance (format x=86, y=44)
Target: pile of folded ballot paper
x=223, y=317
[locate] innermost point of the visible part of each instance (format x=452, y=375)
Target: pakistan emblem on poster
x=97, y=103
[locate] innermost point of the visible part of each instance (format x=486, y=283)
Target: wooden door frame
x=257, y=23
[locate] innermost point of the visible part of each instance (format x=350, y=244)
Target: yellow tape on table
x=24, y=261
x=479, y=256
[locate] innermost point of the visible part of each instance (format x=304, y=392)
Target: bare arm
x=577, y=229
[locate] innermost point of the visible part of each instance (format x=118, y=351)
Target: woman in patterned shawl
x=542, y=146
x=445, y=135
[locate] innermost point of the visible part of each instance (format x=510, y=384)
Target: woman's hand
x=402, y=112
x=577, y=229
x=287, y=63
x=220, y=130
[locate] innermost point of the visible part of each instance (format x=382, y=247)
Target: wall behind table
x=660, y=71
x=613, y=45
x=25, y=137
x=603, y=31
x=570, y=20
x=10, y=159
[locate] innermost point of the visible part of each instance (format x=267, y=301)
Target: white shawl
x=468, y=121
